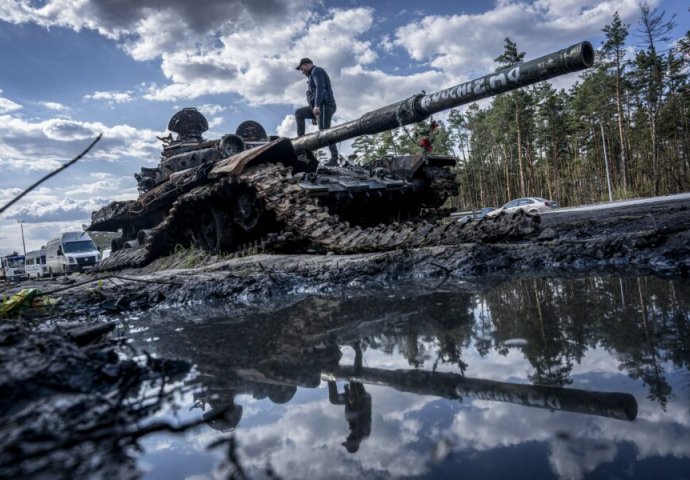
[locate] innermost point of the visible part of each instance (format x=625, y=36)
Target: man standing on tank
x=321, y=102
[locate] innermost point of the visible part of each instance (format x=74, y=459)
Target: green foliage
x=510, y=56
x=402, y=141
x=552, y=143
x=103, y=239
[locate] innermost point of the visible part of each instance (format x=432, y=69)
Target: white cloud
x=58, y=107
x=287, y=127
x=386, y=44
x=466, y=44
x=258, y=63
x=7, y=194
x=7, y=105
x=47, y=144
x=248, y=49
x=211, y=109
x=214, y=122
x=63, y=209
x=111, y=97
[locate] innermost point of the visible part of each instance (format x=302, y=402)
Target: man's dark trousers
x=324, y=121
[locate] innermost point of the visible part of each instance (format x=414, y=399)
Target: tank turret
x=250, y=189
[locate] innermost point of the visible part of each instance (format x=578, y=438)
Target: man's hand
x=317, y=111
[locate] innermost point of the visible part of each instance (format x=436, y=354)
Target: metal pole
x=21, y=225
x=606, y=161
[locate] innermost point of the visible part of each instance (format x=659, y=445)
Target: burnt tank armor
x=249, y=189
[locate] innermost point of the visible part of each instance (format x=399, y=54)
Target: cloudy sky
x=72, y=69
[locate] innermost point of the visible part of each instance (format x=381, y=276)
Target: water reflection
x=388, y=378
x=643, y=320
x=357, y=403
x=622, y=406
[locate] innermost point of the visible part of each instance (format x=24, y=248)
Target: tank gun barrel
x=419, y=107
x=622, y=406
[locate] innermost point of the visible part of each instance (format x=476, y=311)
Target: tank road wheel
x=211, y=229
x=117, y=244
x=248, y=210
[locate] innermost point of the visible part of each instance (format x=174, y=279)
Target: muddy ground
x=70, y=403
x=643, y=238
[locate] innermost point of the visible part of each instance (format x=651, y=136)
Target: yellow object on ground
x=25, y=298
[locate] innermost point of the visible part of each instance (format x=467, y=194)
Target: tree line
x=622, y=130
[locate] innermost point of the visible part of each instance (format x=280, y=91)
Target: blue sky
x=72, y=69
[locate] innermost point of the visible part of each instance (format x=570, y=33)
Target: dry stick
x=51, y=174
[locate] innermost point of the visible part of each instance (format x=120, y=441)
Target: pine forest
x=621, y=131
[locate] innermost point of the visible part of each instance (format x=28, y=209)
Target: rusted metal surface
x=305, y=218
x=276, y=151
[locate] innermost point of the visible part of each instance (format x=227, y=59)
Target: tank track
x=304, y=218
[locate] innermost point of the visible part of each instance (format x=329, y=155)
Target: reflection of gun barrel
x=622, y=406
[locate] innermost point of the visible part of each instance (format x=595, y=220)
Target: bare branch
x=51, y=174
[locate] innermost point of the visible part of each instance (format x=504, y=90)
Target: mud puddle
x=577, y=378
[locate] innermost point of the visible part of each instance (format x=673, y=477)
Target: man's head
x=305, y=65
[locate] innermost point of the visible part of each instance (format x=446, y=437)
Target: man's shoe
x=333, y=162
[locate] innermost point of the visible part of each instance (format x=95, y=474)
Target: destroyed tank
x=249, y=189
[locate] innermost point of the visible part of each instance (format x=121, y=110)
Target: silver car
x=529, y=204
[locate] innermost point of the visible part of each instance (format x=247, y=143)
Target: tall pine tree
x=613, y=53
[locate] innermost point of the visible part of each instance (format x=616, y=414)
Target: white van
x=35, y=263
x=71, y=252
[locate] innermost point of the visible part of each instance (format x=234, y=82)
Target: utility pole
x=21, y=225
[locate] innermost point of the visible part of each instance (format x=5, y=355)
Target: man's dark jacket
x=319, y=91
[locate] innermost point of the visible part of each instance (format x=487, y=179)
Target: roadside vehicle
x=13, y=268
x=35, y=264
x=71, y=252
x=529, y=204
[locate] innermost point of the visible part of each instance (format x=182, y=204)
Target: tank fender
x=277, y=151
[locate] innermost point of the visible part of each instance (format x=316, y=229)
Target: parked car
x=476, y=214
x=529, y=204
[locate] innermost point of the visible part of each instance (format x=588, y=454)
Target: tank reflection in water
x=583, y=378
